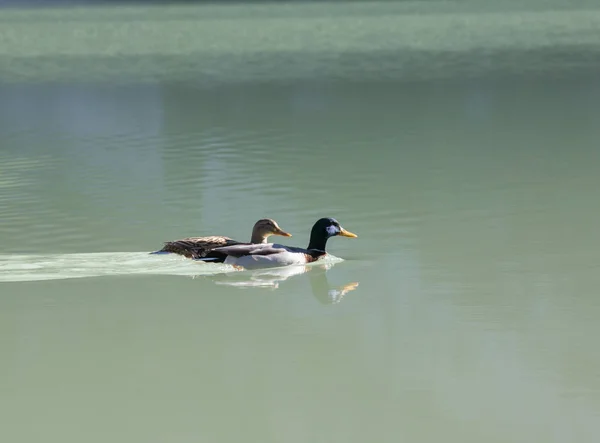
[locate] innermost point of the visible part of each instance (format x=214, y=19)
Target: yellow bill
x=345, y=233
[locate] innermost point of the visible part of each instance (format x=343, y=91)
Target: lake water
x=458, y=140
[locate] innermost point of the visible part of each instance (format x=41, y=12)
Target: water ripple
x=14, y=268
x=37, y=267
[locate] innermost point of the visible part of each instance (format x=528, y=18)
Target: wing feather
x=196, y=247
x=241, y=250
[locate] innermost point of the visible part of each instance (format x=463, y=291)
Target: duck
x=203, y=247
x=267, y=255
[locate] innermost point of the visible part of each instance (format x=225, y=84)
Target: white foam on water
x=15, y=268
x=38, y=267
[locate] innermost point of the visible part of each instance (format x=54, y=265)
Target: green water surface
x=458, y=140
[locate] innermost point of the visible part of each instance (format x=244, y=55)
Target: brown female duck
x=202, y=247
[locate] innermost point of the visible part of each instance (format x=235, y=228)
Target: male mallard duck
x=272, y=255
x=202, y=247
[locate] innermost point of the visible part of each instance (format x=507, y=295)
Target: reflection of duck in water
x=202, y=247
x=260, y=278
x=324, y=292
x=271, y=278
x=274, y=255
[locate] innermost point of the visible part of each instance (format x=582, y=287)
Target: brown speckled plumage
x=202, y=247
x=197, y=247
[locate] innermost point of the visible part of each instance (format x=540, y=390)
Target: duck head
x=264, y=228
x=323, y=230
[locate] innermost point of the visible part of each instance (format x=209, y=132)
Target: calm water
x=459, y=142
